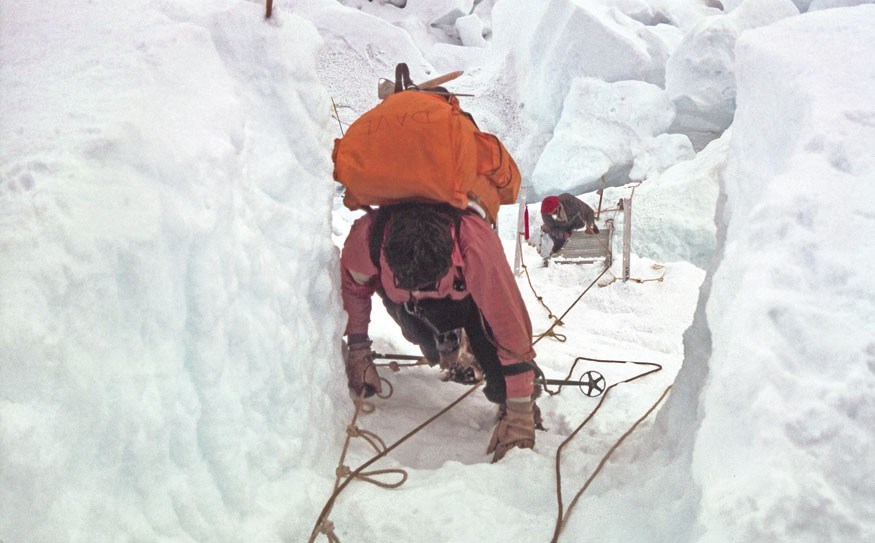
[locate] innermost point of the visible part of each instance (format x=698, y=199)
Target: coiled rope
x=323, y=525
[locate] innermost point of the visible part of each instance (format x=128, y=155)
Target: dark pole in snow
x=627, y=236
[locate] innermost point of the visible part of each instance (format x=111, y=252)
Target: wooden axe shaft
x=440, y=80
x=386, y=87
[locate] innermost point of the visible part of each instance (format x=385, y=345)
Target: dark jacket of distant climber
x=563, y=214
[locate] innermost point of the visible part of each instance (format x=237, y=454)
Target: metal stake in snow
x=627, y=236
x=520, y=230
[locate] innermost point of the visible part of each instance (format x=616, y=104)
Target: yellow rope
x=346, y=476
x=562, y=516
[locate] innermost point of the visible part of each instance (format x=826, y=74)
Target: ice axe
x=386, y=87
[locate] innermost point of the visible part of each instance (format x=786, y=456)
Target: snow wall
x=767, y=435
x=162, y=353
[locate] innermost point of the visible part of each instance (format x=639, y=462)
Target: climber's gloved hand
x=361, y=374
x=516, y=428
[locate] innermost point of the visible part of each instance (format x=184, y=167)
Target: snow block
x=700, y=74
x=604, y=128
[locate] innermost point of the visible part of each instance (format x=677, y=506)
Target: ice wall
x=608, y=134
x=673, y=214
x=162, y=363
x=700, y=74
x=568, y=40
x=766, y=435
x=785, y=449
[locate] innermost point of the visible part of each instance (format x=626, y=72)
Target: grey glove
x=361, y=374
x=515, y=429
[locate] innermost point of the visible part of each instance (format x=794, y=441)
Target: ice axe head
x=386, y=87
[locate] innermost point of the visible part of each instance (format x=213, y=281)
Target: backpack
x=421, y=146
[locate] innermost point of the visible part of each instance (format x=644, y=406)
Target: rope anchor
x=595, y=384
x=591, y=383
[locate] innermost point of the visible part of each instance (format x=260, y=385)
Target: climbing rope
x=658, y=279
x=605, y=459
x=557, y=322
x=375, y=441
x=344, y=474
x=563, y=515
x=326, y=527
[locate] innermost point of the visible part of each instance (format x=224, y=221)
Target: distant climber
x=564, y=214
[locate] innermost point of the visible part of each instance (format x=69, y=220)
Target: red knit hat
x=549, y=205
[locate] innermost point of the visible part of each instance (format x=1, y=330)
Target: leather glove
x=515, y=429
x=361, y=374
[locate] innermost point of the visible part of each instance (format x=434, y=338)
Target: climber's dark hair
x=419, y=244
